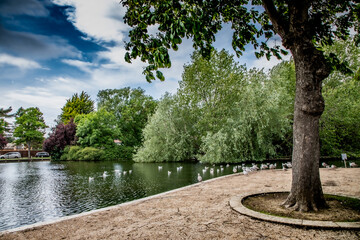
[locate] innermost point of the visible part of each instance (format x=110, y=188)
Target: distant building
x=13, y=146
x=118, y=142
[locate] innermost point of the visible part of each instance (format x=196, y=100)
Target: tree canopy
x=96, y=129
x=61, y=136
x=131, y=109
x=77, y=104
x=254, y=22
x=29, y=127
x=304, y=27
x=339, y=125
x=222, y=112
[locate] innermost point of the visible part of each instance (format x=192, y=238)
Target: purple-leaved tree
x=62, y=136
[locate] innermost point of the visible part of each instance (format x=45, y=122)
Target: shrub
x=91, y=154
x=76, y=153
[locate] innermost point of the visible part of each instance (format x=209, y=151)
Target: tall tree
x=210, y=86
x=4, y=125
x=131, y=108
x=304, y=26
x=339, y=124
x=77, y=104
x=96, y=129
x=170, y=135
x=29, y=127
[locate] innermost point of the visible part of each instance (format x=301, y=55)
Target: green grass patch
x=348, y=202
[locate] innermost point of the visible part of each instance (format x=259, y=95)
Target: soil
x=337, y=211
x=201, y=211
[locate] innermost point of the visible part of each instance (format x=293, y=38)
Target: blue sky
x=51, y=49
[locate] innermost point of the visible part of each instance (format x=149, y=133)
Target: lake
x=32, y=192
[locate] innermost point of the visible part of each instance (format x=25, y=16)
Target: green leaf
x=284, y=52
x=160, y=75
x=127, y=57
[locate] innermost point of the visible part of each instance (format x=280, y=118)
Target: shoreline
x=25, y=160
x=198, y=211
x=64, y=218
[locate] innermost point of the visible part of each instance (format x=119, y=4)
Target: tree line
x=222, y=112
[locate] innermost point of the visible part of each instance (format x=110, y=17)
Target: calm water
x=39, y=191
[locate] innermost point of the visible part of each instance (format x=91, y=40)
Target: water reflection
x=39, y=191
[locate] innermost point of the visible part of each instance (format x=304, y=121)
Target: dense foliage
x=222, y=113
x=29, y=127
x=225, y=113
x=110, y=133
x=77, y=153
x=340, y=122
x=96, y=133
x=77, y=104
x=130, y=109
x=62, y=135
x=170, y=134
x=253, y=22
x=96, y=129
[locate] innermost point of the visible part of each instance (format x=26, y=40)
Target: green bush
x=76, y=153
x=70, y=153
x=91, y=154
x=119, y=153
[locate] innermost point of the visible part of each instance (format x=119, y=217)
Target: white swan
x=199, y=177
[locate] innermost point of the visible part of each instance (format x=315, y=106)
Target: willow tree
x=303, y=26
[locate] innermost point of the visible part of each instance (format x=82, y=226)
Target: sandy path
x=200, y=212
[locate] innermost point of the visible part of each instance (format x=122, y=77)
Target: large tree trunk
x=306, y=191
x=29, y=146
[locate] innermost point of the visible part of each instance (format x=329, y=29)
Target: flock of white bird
x=325, y=165
x=245, y=169
x=118, y=173
x=237, y=168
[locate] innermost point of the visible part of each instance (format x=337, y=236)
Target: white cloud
x=100, y=20
x=115, y=57
x=18, y=62
x=84, y=66
x=48, y=102
x=49, y=96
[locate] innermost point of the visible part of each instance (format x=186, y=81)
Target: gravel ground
x=201, y=211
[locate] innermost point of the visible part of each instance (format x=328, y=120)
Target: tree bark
x=297, y=34
x=29, y=146
x=306, y=191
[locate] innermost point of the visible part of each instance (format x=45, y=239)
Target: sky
x=51, y=49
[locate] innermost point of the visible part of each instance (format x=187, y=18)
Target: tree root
x=294, y=205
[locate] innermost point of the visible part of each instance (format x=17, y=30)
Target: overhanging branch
x=279, y=23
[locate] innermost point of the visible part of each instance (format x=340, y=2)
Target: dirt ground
x=337, y=211
x=200, y=212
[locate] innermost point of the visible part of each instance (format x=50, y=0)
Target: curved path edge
x=236, y=204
